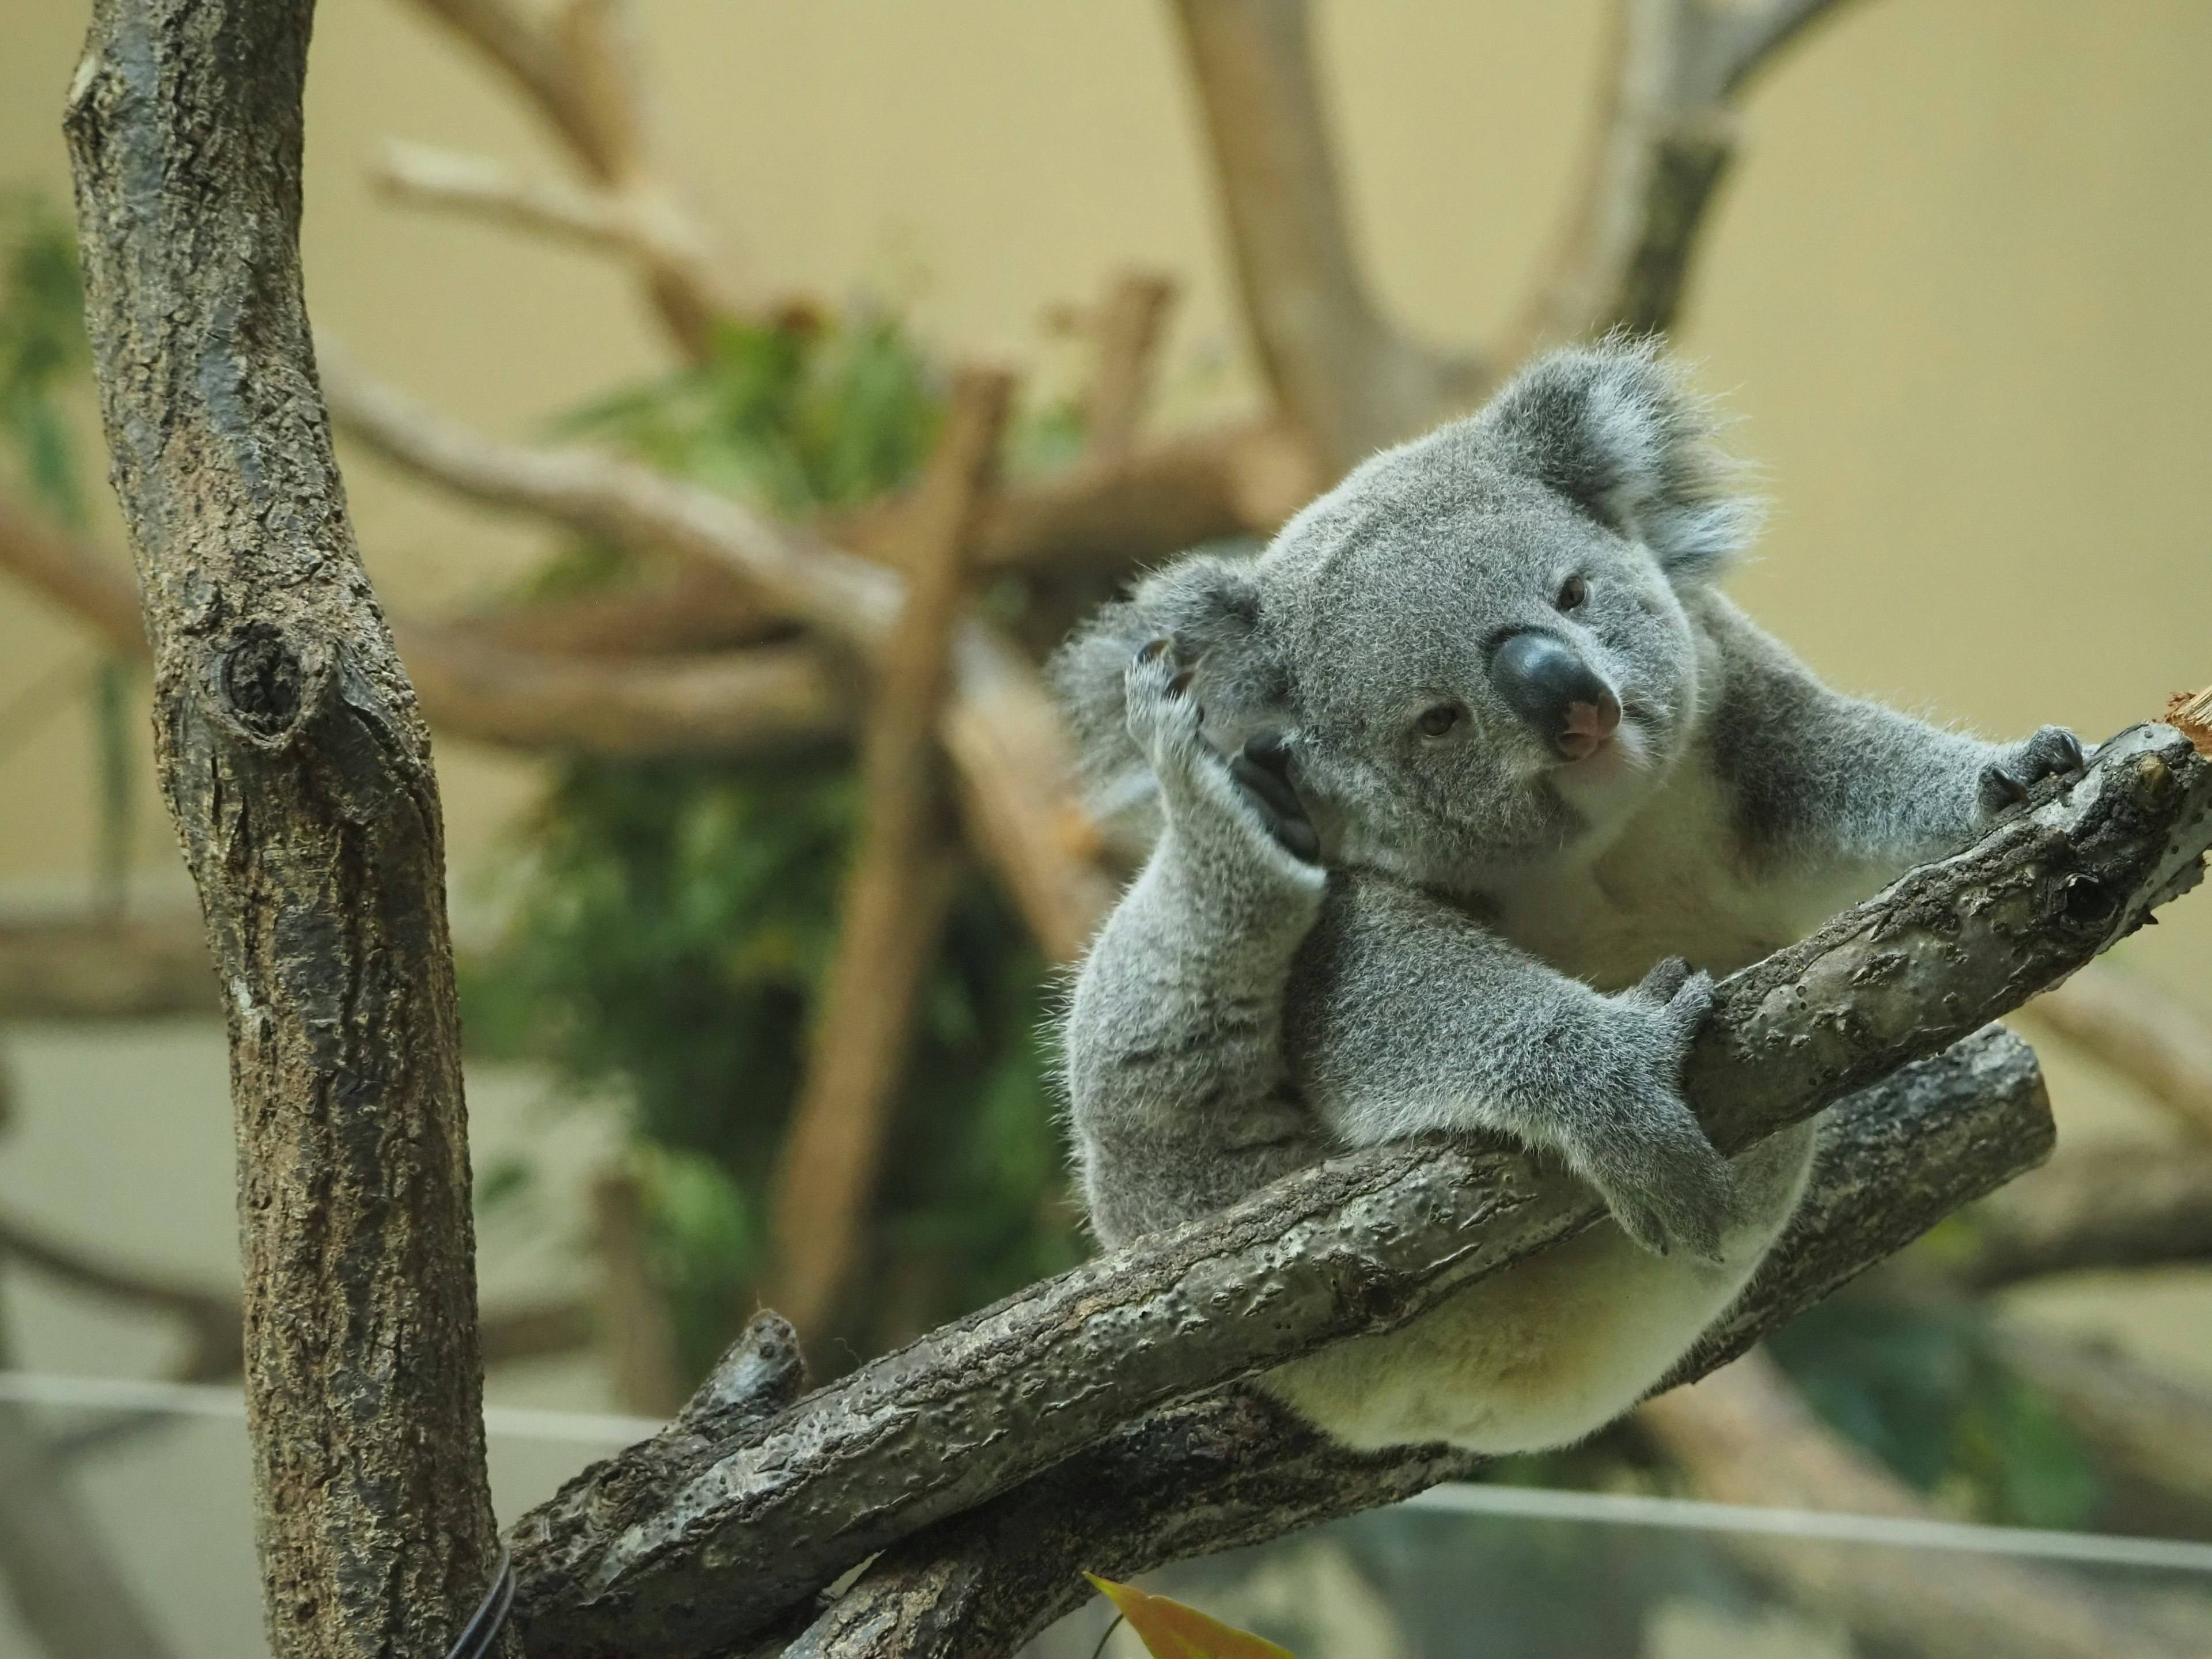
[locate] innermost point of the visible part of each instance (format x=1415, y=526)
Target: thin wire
x=484, y=1624
x=1690, y=1515
x=1097, y=1652
x=1528, y=1503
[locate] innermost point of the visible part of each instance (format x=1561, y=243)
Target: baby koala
x=1462, y=789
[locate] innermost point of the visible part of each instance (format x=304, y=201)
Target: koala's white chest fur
x=1667, y=882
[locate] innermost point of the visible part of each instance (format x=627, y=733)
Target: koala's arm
x=1820, y=785
x=1179, y=1094
x=1407, y=1015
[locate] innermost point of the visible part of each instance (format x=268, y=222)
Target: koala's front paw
x=1165, y=719
x=1642, y=1147
x=2052, y=752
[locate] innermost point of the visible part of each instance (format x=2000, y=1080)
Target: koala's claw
x=2052, y=752
x=1262, y=772
x=1666, y=1185
x=1163, y=718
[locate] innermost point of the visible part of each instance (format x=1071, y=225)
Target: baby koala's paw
x=1640, y=1145
x=1163, y=717
x=2052, y=752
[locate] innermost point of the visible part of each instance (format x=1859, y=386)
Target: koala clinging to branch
x=1464, y=788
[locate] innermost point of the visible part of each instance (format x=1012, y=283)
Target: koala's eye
x=1572, y=592
x=1436, y=721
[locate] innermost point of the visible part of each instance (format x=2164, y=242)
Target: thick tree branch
x=895, y=899
x=2099, y=1205
x=1744, y=1436
x=298, y=776
x=1346, y=380
x=1231, y=1469
x=992, y=1400
x=2131, y=1026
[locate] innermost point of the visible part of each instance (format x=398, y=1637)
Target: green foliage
x=43, y=349
x=42, y=345
x=803, y=413
x=1923, y=1390
x=672, y=921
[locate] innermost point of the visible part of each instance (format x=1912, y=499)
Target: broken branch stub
x=1357, y=1245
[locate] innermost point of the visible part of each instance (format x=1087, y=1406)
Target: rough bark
x=1745, y=1437
x=1231, y=1469
x=892, y=909
x=298, y=774
x=1359, y=1244
x=540, y=677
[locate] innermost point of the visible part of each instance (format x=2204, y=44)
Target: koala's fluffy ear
x=1615, y=430
x=1209, y=605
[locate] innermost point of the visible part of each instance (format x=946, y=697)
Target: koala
x=1463, y=788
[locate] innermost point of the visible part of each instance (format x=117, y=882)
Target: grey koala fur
x=1462, y=789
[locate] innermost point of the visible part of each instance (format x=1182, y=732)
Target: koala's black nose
x=1569, y=707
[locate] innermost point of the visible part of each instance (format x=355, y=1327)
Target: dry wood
x=1743, y=1436
x=1346, y=380
x=214, y=1319
x=1230, y=1469
x=1665, y=137
x=298, y=776
x=582, y=72
x=761, y=699
x=105, y=967
x=64, y=1587
x=641, y=1334
x=893, y=906
x=1125, y=341
x=1016, y=773
x=2129, y=1024
x=989, y=1400
x=473, y=684
x=2098, y=1206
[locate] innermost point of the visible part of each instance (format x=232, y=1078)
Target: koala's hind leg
x=1179, y=1092
x=1554, y=1348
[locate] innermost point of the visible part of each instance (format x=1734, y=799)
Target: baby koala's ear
x=1208, y=605
x=1615, y=428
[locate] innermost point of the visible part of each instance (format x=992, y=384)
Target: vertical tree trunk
x=299, y=773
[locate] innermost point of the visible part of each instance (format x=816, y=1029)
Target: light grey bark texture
x=298, y=772
x=713, y=1545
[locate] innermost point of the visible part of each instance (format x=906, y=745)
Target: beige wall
x=1957, y=291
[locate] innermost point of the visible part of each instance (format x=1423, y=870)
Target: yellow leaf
x=1171, y=1630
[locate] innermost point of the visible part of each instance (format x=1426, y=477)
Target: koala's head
x=1476, y=644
